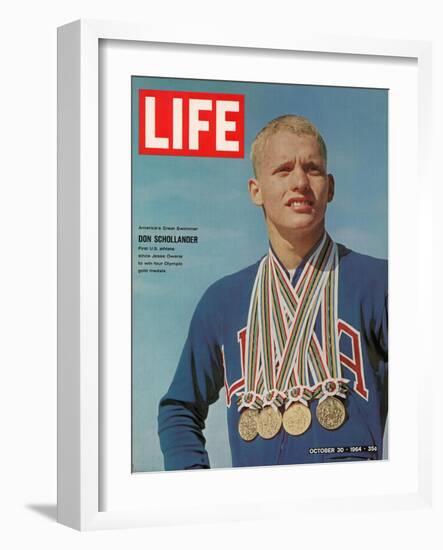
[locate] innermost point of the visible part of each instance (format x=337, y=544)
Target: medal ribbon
x=333, y=383
x=281, y=345
x=250, y=398
x=325, y=368
x=315, y=278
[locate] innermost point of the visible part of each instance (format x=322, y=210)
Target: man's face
x=292, y=184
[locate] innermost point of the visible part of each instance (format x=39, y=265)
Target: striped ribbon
x=281, y=345
x=251, y=398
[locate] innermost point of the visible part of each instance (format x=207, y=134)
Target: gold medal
x=247, y=425
x=296, y=419
x=269, y=422
x=331, y=413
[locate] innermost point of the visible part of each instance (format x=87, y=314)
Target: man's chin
x=306, y=230
x=300, y=228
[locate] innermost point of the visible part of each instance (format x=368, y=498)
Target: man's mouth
x=299, y=202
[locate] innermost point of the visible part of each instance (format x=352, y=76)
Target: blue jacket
x=212, y=359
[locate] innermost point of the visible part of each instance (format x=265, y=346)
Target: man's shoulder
x=363, y=266
x=359, y=258
x=244, y=278
x=230, y=287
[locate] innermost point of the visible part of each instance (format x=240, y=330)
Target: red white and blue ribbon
x=282, y=351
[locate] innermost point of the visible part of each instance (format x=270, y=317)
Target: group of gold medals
x=283, y=354
x=295, y=420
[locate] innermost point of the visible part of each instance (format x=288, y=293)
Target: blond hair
x=296, y=124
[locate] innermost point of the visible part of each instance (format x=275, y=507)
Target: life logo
x=191, y=124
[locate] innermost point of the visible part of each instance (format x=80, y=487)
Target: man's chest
x=352, y=343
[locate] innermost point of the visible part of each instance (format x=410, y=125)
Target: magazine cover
x=259, y=274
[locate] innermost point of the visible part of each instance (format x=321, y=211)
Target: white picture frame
x=82, y=385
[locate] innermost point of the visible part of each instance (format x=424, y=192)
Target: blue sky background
x=211, y=193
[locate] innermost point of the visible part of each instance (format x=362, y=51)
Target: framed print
x=227, y=212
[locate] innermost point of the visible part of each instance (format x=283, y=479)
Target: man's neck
x=290, y=248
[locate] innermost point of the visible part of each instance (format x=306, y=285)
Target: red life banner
x=191, y=124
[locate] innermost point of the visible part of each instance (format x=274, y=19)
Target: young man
x=298, y=340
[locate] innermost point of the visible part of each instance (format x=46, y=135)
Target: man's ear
x=331, y=187
x=255, y=192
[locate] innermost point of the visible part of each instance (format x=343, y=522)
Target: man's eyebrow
x=284, y=164
x=314, y=162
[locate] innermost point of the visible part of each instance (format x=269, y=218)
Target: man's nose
x=299, y=179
